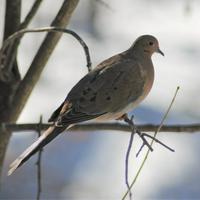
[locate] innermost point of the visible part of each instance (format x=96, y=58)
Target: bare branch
x=33, y=74
x=12, y=17
x=38, y=163
x=21, y=32
x=11, y=49
x=178, y=128
x=133, y=131
x=12, y=22
x=153, y=140
x=30, y=14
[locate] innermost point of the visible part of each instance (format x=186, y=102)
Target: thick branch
x=12, y=17
x=11, y=55
x=178, y=128
x=12, y=22
x=41, y=58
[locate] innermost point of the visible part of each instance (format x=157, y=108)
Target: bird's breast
x=148, y=75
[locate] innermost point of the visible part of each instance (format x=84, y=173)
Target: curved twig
x=21, y=32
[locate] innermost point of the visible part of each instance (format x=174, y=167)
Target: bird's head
x=147, y=44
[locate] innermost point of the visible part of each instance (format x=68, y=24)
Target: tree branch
x=38, y=163
x=30, y=14
x=178, y=128
x=151, y=144
x=33, y=74
x=12, y=22
x=11, y=49
x=21, y=32
x=12, y=17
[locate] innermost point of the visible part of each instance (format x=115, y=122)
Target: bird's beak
x=160, y=52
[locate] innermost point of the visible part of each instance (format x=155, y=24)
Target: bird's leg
x=143, y=135
x=135, y=130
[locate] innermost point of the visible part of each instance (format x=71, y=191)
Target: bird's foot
x=143, y=135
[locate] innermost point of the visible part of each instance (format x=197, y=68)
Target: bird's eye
x=150, y=43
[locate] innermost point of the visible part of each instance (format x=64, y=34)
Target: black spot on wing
x=86, y=90
x=108, y=98
x=93, y=99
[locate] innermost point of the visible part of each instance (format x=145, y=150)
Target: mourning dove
x=111, y=89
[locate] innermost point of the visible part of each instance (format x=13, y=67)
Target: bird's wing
x=108, y=88
x=75, y=94
x=111, y=86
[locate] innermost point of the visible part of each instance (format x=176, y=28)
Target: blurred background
x=90, y=165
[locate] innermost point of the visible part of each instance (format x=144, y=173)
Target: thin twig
x=21, y=32
x=38, y=163
x=127, y=163
x=145, y=142
x=148, y=151
x=158, y=141
x=140, y=149
x=143, y=135
x=133, y=131
x=30, y=14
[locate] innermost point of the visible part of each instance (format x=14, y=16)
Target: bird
x=113, y=88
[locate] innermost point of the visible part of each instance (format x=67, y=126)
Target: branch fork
x=143, y=135
x=134, y=130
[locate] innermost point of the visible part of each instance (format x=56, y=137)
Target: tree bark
x=7, y=88
x=15, y=92
x=41, y=58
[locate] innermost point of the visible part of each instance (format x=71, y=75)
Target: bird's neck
x=138, y=54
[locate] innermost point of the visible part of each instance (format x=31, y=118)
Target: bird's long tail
x=43, y=140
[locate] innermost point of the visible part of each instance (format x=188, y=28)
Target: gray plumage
x=110, y=90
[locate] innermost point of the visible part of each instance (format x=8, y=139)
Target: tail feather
x=43, y=140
